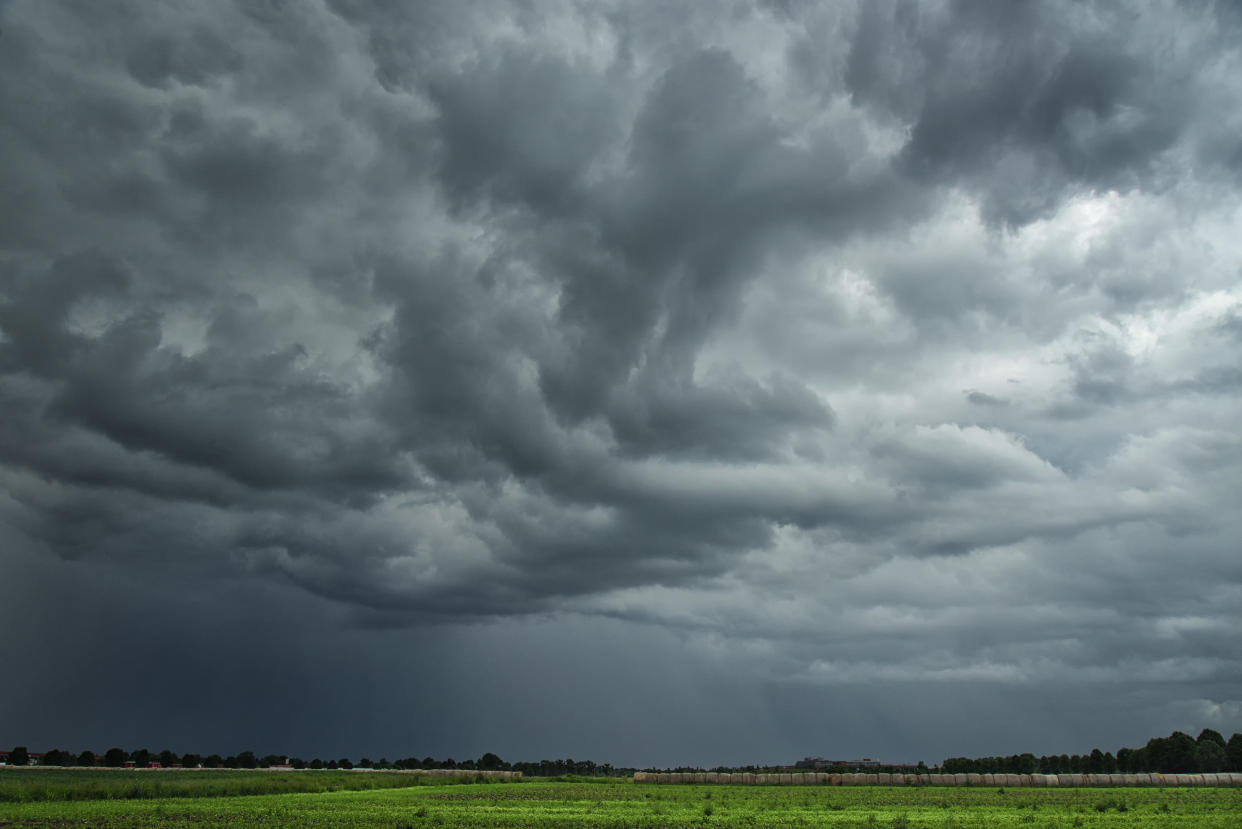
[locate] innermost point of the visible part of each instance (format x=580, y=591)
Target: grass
x=616, y=804
x=25, y=785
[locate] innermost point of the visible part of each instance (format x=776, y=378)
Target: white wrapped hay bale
x=974, y=779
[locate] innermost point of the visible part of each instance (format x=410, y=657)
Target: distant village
x=39, y=758
x=817, y=763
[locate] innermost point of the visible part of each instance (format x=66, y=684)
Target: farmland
x=25, y=785
x=427, y=802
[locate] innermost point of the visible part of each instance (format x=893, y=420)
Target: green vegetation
x=33, y=784
x=612, y=803
x=1178, y=753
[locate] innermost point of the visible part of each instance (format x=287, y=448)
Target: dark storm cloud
x=843, y=347
x=1023, y=103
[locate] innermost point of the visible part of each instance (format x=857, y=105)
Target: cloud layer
x=892, y=345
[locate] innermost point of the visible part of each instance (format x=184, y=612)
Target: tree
x=1181, y=752
x=167, y=758
x=141, y=757
x=247, y=760
x=115, y=757
x=1210, y=756
x=86, y=758
x=490, y=762
x=55, y=757
x=1214, y=736
x=19, y=756
x=1233, y=753
x=1157, y=749
x=191, y=761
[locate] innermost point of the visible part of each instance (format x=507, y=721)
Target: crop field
x=40, y=784
x=621, y=803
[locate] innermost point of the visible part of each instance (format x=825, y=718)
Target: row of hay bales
x=885, y=779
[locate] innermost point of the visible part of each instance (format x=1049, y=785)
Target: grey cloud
x=1064, y=101
x=982, y=398
x=840, y=350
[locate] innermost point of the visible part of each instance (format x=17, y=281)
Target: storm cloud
x=628, y=368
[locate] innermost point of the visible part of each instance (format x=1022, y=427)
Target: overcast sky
x=652, y=383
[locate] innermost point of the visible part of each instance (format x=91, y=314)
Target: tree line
x=118, y=758
x=1178, y=753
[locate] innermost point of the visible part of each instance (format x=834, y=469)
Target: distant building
x=816, y=763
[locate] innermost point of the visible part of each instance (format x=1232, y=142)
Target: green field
x=22, y=785
x=621, y=803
